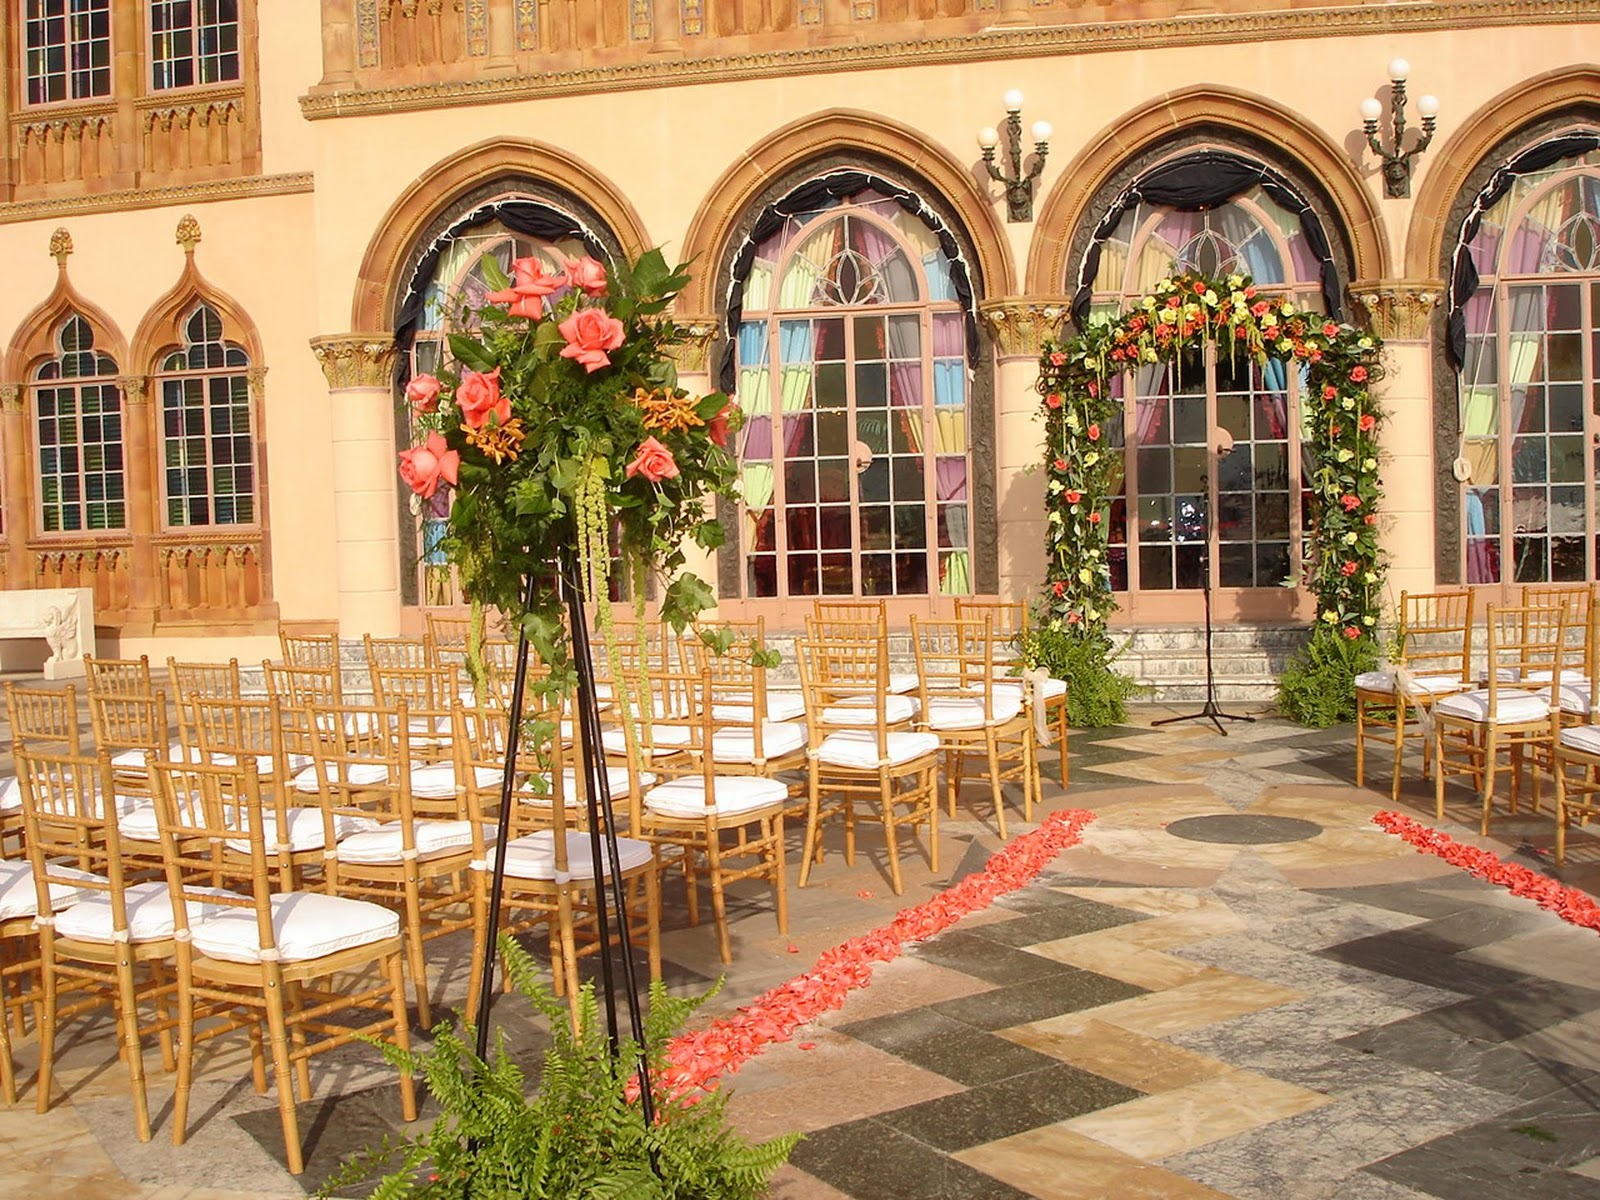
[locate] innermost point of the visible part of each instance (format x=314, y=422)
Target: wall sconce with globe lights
x=1018, y=185
x=1397, y=162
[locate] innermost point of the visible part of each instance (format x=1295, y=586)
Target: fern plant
x=1317, y=685
x=1097, y=693
x=580, y=1134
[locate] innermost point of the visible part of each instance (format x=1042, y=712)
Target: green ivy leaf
x=686, y=597
x=471, y=353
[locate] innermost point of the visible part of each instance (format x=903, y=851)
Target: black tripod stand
x=1210, y=710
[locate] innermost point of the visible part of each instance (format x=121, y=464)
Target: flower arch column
x=1401, y=313
x=360, y=372
x=1020, y=326
x=692, y=357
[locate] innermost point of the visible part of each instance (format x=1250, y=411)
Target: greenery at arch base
x=1340, y=424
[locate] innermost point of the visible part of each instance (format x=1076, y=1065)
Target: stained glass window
x=852, y=369
x=1530, y=382
x=193, y=42
x=208, y=443
x=66, y=49
x=1183, y=515
x=78, y=429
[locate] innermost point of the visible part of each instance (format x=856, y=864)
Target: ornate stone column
x=143, y=498
x=1020, y=326
x=18, y=496
x=338, y=45
x=127, y=71
x=499, y=20
x=360, y=372
x=1400, y=311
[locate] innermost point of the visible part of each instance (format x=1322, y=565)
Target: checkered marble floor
x=1235, y=986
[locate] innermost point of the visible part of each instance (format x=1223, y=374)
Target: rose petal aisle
x=698, y=1060
x=1568, y=903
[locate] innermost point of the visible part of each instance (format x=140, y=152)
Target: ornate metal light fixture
x=1397, y=163
x=1019, y=186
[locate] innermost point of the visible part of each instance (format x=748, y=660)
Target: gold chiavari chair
x=1471, y=730
x=864, y=760
x=309, y=649
x=1009, y=623
x=268, y=956
x=758, y=729
x=972, y=714
x=1576, y=758
x=45, y=719
x=190, y=681
x=1433, y=649
x=304, y=686
x=398, y=651
x=429, y=694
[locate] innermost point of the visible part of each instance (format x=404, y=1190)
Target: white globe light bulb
x=1428, y=106
x=1399, y=69
x=1013, y=100
x=1042, y=131
x=988, y=138
x=1371, y=110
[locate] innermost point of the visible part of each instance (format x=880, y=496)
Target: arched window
x=852, y=370
x=78, y=435
x=1529, y=379
x=207, y=439
x=1187, y=517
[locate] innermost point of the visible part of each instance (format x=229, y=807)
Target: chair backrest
x=1435, y=633
x=1524, y=643
x=479, y=743
x=398, y=651
x=45, y=718
x=130, y=722
x=836, y=624
x=298, y=686
x=1008, y=617
x=117, y=676
x=362, y=755
x=194, y=680
x=71, y=830
x=1578, y=598
x=309, y=649
x=448, y=632
x=955, y=656
x=848, y=609
x=845, y=673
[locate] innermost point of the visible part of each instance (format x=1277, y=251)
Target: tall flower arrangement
x=1339, y=431
x=565, y=427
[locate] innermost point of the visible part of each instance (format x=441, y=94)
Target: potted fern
x=580, y=1134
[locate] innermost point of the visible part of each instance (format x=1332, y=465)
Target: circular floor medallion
x=1244, y=829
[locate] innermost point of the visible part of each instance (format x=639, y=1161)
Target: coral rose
x=479, y=397
x=423, y=394
x=424, y=467
x=654, y=461
x=588, y=274
x=590, y=333
x=1358, y=374
x=718, y=428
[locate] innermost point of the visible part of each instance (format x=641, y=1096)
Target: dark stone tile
x=1058, y=921
x=872, y=1161
x=1458, y=1168
x=1477, y=926
x=1421, y=960
x=947, y=1047
x=1008, y=1107
x=1409, y=898
x=986, y=959
x=334, y=1129
x=1493, y=1066
x=1068, y=990
x=1513, y=1012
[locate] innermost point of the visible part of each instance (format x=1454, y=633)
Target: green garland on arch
x=1340, y=424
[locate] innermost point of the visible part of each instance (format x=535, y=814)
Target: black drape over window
x=1463, y=272
x=813, y=197
x=531, y=218
x=1201, y=181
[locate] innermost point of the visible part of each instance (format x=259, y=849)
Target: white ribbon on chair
x=1405, y=689
x=1033, y=680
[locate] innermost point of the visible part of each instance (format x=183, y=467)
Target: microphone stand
x=1210, y=710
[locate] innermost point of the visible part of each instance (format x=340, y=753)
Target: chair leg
x=163, y=1000
x=719, y=903
x=996, y=791
x=927, y=784
x=886, y=799
x=1399, y=748
x=652, y=900
x=402, y=1032
x=1561, y=810
x=812, y=833
x=8, y=1070
x=419, y=965
x=128, y=1023
x=1490, y=766
x=773, y=831
x=283, y=1076
x=258, y=1058
x=1361, y=743
x=564, y=944
x=1438, y=772
x=297, y=1036
x=180, y=1094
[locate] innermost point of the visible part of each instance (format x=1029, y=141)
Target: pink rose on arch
x=424, y=467
x=590, y=333
x=479, y=397
x=423, y=394
x=1329, y=329
x=1358, y=374
x=588, y=274
x=530, y=285
x=654, y=461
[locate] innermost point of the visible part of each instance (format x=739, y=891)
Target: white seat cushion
x=533, y=856
x=903, y=681
x=19, y=895
x=1567, y=677
x=863, y=710
x=10, y=795
x=137, y=758
x=148, y=909
x=265, y=764
x=738, y=745
x=966, y=712
x=781, y=706
x=616, y=783
x=138, y=823
x=732, y=794
x=1583, y=738
x=362, y=774
x=663, y=739
x=305, y=925
x=1515, y=707
x=306, y=830
x=438, y=782
x=385, y=845
x=858, y=748
x=1432, y=685
x=1575, y=697
x=1053, y=689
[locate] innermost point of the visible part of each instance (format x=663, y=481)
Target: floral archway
x=1340, y=424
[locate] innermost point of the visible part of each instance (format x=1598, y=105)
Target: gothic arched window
x=207, y=434
x=77, y=409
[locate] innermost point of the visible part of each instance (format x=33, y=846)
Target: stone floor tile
x=1144, y=1063
x=1204, y=1001
x=1055, y=1164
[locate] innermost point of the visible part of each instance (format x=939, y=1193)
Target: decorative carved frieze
x=10, y=397
x=527, y=24
x=693, y=16
x=61, y=247
x=477, y=27
x=188, y=232
x=1399, y=310
x=356, y=360
x=157, y=197
x=1021, y=325
x=367, y=43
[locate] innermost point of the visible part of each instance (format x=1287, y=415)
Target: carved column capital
x=10, y=397
x=135, y=389
x=356, y=360
x=1399, y=310
x=690, y=355
x=1021, y=325
x=257, y=377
